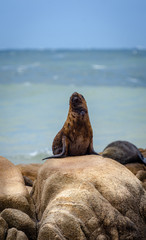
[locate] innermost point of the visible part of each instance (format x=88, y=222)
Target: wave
x=23, y=68
x=41, y=152
x=6, y=67
x=20, y=69
x=32, y=157
x=27, y=84
x=98, y=67
x=59, y=56
x=55, y=77
x=133, y=80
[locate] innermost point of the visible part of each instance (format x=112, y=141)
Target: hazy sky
x=72, y=23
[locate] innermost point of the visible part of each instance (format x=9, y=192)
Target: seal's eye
x=82, y=96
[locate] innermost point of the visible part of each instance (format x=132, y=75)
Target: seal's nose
x=75, y=100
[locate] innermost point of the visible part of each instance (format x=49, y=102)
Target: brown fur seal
x=76, y=136
x=123, y=152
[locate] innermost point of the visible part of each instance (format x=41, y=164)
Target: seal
x=124, y=152
x=76, y=136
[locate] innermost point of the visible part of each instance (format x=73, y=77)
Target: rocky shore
x=74, y=198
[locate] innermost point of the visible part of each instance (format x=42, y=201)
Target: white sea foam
x=98, y=67
x=27, y=84
x=41, y=152
x=35, y=64
x=33, y=154
x=133, y=80
x=55, y=77
x=32, y=157
x=23, y=68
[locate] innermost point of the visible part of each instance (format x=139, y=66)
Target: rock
x=14, y=234
x=29, y=189
x=29, y=170
x=13, y=193
x=89, y=197
x=16, y=205
x=28, y=181
x=136, y=167
x=21, y=221
x=141, y=175
x=3, y=228
x=139, y=170
x=143, y=151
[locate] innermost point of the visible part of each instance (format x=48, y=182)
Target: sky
x=72, y=24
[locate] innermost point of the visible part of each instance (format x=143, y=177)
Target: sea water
x=35, y=87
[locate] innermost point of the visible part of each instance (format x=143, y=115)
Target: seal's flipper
x=63, y=153
x=141, y=158
x=60, y=155
x=94, y=153
x=144, y=161
x=91, y=150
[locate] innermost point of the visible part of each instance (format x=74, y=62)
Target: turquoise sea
x=35, y=86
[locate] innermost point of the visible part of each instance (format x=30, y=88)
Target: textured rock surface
x=19, y=220
x=139, y=169
x=76, y=198
x=17, y=211
x=29, y=170
x=143, y=151
x=3, y=228
x=89, y=197
x=14, y=234
x=13, y=193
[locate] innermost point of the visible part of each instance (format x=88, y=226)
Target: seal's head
x=78, y=104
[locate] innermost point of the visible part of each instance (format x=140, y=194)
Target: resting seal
x=124, y=152
x=76, y=136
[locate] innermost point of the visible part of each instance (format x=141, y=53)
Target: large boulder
x=89, y=197
x=139, y=169
x=21, y=221
x=29, y=170
x=13, y=193
x=17, y=209
x=143, y=151
x=14, y=234
x=3, y=228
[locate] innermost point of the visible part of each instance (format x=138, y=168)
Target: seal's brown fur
x=76, y=136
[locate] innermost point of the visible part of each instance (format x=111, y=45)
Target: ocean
x=35, y=87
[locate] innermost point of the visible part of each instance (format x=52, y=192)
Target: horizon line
x=70, y=49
